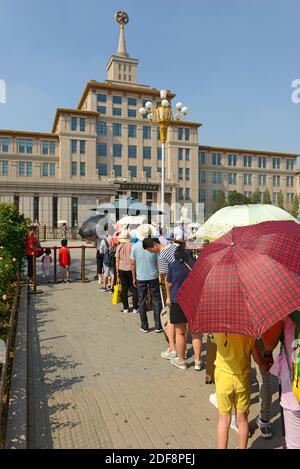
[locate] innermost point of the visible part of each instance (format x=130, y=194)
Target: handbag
x=116, y=298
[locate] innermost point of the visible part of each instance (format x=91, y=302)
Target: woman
x=283, y=368
x=123, y=268
x=31, y=249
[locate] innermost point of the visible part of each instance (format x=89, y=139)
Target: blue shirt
x=177, y=273
x=146, y=262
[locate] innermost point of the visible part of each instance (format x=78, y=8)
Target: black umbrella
x=88, y=227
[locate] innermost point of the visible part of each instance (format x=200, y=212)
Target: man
x=165, y=257
x=265, y=395
x=145, y=275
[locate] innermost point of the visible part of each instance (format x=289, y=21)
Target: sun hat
x=146, y=231
x=124, y=236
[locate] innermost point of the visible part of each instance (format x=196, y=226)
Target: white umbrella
x=61, y=222
x=132, y=220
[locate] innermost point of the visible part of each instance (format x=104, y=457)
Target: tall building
x=103, y=148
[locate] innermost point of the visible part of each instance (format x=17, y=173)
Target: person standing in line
x=108, y=275
x=124, y=271
x=65, y=261
x=46, y=264
x=265, y=396
x=64, y=231
x=145, y=275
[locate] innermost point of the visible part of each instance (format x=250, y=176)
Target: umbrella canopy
x=61, y=222
x=241, y=215
x=131, y=220
x=88, y=228
x=245, y=281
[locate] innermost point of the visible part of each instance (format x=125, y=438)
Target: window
x=232, y=160
x=289, y=164
x=73, y=123
x=180, y=133
x=214, y=195
x=101, y=149
x=36, y=203
x=45, y=169
x=202, y=195
x=101, y=128
x=52, y=148
x=216, y=159
x=180, y=174
x=25, y=168
x=290, y=197
x=248, y=194
x=4, y=143
x=132, y=131
x=276, y=163
x=74, y=146
x=131, y=101
x=82, y=168
x=131, y=113
x=4, y=168
x=82, y=124
x=117, y=111
x=159, y=169
x=216, y=178
x=147, y=170
x=187, y=174
x=275, y=197
x=247, y=179
x=276, y=181
x=132, y=151
x=101, y=109
x=25, y=146
x=117, y=99
x=45, y=147
x=158, y=133
x=159, y=153
x=147, y=153
x=261, y=197
x=118, y=170
x=117, y=150
x=146, y=131
x=262, y=179
x=74, y=168
x=74, y=212
x=54, y=211
x=187, y=193
x=101, y=98
x=180, y=153
x=290, y=181
x=247, y=161
x=82, y=147
x=231, y=178
x=180, y=193
x=102, y=169
x=52, y=169
x=202, y=177
x=262, y=162
x=117, y=129
x=133, y=171
x=202, y=157
x=187, y=134
x=187, y=154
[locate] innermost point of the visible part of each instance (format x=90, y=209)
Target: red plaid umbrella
x=245, y=281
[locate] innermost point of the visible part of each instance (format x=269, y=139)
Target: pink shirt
x=281, y=369
x=123, y=256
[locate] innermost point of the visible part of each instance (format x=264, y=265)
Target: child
x=46, y=264
x=65, y=261
x=232, y=378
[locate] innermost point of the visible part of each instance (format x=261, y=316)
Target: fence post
x=45, y=232
x=82, y=273
x=54, y=264
x=34, y=271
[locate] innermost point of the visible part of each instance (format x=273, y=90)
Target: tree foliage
x=220, y=201
x=255, y=198
x=267, y=197
x=280, y=200
x=236, y=198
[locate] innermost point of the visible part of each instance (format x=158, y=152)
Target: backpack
x=295, y=375
x=112, y=255
x=106, y=256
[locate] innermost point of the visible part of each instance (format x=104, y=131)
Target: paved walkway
x=96, y=381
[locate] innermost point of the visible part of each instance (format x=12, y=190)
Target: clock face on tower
x=122, y=17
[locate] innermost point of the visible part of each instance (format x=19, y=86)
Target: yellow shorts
x=232, y=391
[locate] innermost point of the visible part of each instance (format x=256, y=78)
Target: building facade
x=104, y=149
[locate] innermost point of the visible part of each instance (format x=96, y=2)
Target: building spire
x=122, y=18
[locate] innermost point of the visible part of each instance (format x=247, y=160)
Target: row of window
x=187, y=194
x=187, y=174
x=180, y=154
x=25, y=146
x=248, y=160
x=74, y=124
x=132, y=151
x=275, y=195
x=132, y=130
x=232, y=179
x=82, y=171
x=25, y=168
x=102, y=98
x=82, y=146
x=102, y=169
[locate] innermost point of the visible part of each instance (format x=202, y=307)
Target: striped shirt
x=166, y=257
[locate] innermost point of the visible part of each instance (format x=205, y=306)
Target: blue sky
x=231, y=61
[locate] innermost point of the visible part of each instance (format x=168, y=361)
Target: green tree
x=236, y=198
x=280, y=200
x=255, y=198
x=294, y=210
x=267, y=197
x=220, y=201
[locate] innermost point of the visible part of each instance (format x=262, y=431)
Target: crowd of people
x=153, y=269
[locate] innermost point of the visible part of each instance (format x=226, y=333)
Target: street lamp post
x=163, y=115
